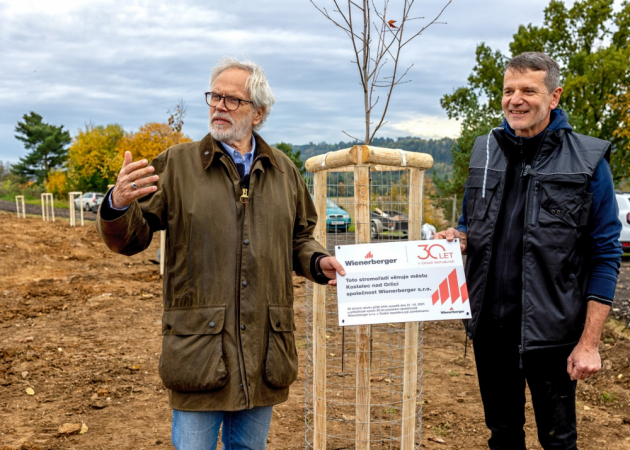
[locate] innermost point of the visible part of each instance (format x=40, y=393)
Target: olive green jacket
x=228, y=324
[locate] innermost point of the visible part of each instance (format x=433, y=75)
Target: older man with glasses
x=239, y=220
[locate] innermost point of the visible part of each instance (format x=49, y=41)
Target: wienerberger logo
x=369, y=259
x=433, y=252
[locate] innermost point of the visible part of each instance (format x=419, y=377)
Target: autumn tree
x=148, y=142
x=57, y=183
x=621, y=106
x=92, y=157
x=47, y=145
x=590, y=43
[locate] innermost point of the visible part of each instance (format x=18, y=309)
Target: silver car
x=623, y=201
x=88, y=200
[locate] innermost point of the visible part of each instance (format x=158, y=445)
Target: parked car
x=95, y=206
x=88, y=200
x=623, y=201
x=388, y=220
x=337, y=218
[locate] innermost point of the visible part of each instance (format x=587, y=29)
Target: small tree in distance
x=372, y=55
x=294, y=156
x=47, y=144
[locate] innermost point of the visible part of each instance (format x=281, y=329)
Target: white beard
x=233, y=133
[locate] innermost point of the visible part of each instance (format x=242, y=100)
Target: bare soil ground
x=80, y=343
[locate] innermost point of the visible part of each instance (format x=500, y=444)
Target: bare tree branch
x=349, y=135
x=429, y=24
x=371, y=57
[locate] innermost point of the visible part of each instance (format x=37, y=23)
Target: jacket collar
x=210, y=148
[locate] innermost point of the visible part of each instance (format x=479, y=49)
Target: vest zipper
x=535, y=205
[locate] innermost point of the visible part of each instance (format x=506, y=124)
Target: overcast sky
x=111, y=61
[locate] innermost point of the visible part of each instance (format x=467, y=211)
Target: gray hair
x=536, y=61
x=258, y=88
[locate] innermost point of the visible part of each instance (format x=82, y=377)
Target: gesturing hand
x=133, y=182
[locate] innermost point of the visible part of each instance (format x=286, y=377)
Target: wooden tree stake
x=362, y=236
x=17, y=206
x=47, y=202
x=319, y=323
x=410, y=374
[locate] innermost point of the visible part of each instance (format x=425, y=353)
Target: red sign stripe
x=453, y=285
x=464, y=290
x=444, y=291
x=435, y=297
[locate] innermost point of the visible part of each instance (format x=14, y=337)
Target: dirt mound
x=80, y=343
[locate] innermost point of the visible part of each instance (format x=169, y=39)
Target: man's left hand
x=583, y=362
x=331, y=267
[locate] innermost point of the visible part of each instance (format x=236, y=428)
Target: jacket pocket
x=564, y=205
x=192, y=349
x=477, y=205
x=281, y=362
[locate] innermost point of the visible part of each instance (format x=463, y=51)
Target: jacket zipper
x=244, y=199
x=528, y=171
x=504, y=267
x=245, y=383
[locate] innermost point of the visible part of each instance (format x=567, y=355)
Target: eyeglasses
x=231, y=103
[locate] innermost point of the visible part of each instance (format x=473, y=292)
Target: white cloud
x=128, y=61
x=426, y=126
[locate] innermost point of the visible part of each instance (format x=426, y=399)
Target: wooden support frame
x=17, y=206
x=369, y=155
x=48, y=207
x=71, y=197
x=363, y=159
x=410, y=371
x=319, y=324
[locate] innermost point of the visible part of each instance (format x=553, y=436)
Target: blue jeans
x=199, y=430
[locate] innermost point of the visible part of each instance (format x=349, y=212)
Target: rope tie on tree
x=324, y=160
x=403, y=158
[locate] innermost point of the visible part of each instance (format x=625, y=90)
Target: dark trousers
x=503, y=373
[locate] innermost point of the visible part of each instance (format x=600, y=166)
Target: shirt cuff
x=107, y=210
x=111, y=205
x=599, y=299
x=316, y=273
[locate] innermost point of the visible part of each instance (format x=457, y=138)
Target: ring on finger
x=134, y=185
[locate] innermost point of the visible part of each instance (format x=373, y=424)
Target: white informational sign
x=408, y=281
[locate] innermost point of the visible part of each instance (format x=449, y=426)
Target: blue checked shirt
x=245, y=159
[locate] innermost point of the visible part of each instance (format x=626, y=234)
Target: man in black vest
x=541, y=230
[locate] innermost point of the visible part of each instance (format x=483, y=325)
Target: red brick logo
x=450, y=288
x=369, y=255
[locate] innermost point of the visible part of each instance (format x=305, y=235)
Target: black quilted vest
x=555, y=242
